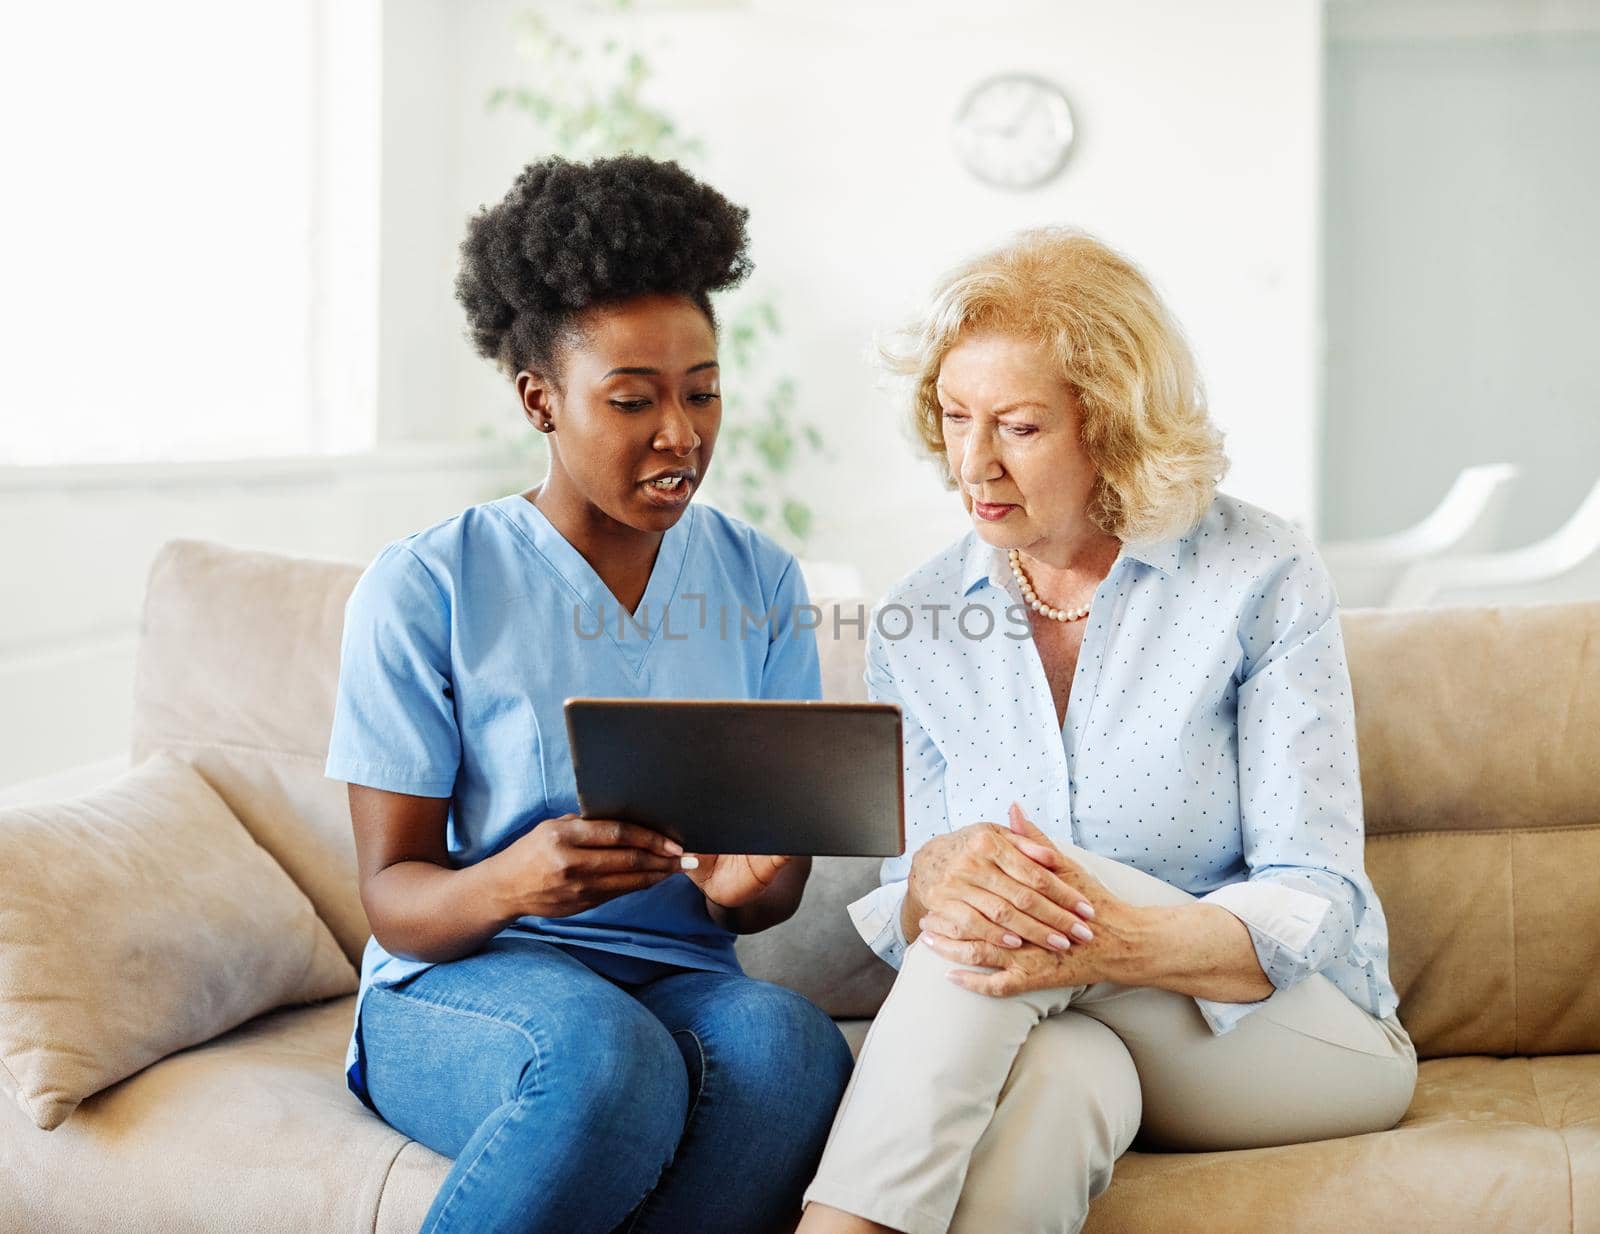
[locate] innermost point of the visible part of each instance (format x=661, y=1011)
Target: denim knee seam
x=470, y=1012
x=473, y=1014
x=513, y=1106
x=444, y=1209
x=688, y=1118
x=705, y=1071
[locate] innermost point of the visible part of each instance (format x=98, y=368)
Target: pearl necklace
x=1036, y=604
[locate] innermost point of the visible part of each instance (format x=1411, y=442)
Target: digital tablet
x=739, y=776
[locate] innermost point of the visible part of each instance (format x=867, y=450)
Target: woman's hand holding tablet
x=733, y=879
x=569, y=864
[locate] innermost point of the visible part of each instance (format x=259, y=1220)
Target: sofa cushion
x=1474, y=719
x=1478, y=732
x=136, y=920
x=1487, y=1145
x=254, y=1130
x=237, y=666
x=1494, y=937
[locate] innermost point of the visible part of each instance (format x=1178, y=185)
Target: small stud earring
x=546, y=427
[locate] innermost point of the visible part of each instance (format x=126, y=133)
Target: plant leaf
x=797, y=518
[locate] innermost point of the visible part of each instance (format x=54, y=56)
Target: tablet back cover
x=814, y=779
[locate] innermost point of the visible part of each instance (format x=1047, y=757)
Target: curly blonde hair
x=1145, y=426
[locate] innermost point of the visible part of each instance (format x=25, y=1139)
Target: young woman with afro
x=553, y=1001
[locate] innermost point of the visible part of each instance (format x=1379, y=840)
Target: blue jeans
x=573, y=1103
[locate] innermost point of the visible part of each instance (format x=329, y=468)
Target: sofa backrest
x=237, y=666
x=1479, y=739
x=1479, y=735
x=237, y=670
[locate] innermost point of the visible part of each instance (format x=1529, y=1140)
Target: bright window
x=189, y=238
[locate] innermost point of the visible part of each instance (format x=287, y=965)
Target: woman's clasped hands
x=1008, y=899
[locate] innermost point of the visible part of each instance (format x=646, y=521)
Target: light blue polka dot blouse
x=1209, y=738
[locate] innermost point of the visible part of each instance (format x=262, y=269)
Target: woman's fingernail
x=690, y=863
x=1011, y=940
x=674, y=849
x=1060, y=942
x=1085, y=909
x=1079, y=930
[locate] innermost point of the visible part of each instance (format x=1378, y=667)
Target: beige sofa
x=1480, y=750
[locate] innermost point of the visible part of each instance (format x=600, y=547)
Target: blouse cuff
x=1283, y=922
x=1224, y=1017
x=876, y=917
x=1288, y=917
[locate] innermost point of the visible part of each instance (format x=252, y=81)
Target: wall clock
x=1014, y=131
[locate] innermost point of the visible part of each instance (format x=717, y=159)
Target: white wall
x=419, y=325
x=1463, y=172
x=77, y=543
x=1197, y=155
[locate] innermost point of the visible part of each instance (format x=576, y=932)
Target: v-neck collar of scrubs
x=632, y=634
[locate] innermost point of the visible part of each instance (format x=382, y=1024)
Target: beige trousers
x=978, y=1114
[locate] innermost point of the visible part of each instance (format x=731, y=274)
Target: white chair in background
x=1466, y=521
x=1563, y=566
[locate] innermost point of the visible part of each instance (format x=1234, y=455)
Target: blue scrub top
x=462, y=641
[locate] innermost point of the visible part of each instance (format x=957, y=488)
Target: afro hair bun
x=569, y=236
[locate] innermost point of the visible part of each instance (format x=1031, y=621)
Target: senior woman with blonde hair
x=1133, y=902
